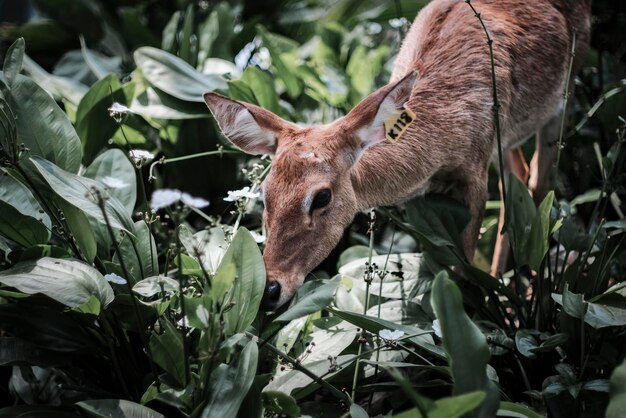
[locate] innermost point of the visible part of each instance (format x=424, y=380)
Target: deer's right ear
x=251, y=128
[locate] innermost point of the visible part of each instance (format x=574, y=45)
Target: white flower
x=140, y=155
x=258, y=238
x=389, y=335
x=245, y=193
x=114, y=278
x=117, y=110
x=196, y=202
x=165, y=197
x=437, y=328
x=113, y=182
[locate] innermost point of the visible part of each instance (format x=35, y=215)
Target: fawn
x=431, y=129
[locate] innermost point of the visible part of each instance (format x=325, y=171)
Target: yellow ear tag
x=398, y=123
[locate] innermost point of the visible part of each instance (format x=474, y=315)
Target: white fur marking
x=246, y=130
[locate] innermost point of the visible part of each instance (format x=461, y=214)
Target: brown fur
x=450, y=143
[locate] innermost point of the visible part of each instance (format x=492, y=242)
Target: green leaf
x=374, y=325
x=114, y=163
x=116, y=408
x=314, y=301
x=229, y=384
x=356, y=411
x=617, y=391
x=153, y=103
x=539, y=238
x=21, y=217
x=13, y=60
x=167, y=351
x=174, y=76
x=155, y=285
x=223, y=281
x=520, y=212
x=17, y=351
x=285, y=70
x=62, y=88
x=70, y=282
x=526, y=343
x=139, y=253
x=262, y=86
x=248, y=288
x=80, y=228
x=279, y=403
x=99, y=65
x=94, y=125
x=515, y=410
x=80, y=193
x=185, y=41
x=90, y=307
x=468, y=353
x=39, y=119
x=456, y=406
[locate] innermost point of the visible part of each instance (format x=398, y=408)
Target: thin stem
x=565, y=100
x=299, y=367
x=496, y=103
x=133, y=299
x=219, y=152
x=369, y=271
x=182, y=307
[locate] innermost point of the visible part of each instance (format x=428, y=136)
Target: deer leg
x=513, y=163
x=475, y=198
x=543, y=159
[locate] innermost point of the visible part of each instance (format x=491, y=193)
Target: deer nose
x=270, y=296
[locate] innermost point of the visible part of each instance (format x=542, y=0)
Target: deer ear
x=249, y=127
x=368, y=117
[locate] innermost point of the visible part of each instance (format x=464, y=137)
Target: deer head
x=308, y=193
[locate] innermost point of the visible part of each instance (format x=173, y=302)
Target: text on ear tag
x=398, y=123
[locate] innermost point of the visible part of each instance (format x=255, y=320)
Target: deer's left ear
x=367, y=119
x=249, y=127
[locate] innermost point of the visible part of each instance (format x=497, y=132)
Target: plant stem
x=219, y=152
x=133, y=299
x=182, y=307
x=299, y=367
x=369, y=272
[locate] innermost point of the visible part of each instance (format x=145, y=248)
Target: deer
x=429, y=130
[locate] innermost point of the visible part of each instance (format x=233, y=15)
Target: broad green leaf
x=216, y=34
x=59, y=87
x=456, y=406
x=616, y=224
x=21, y=217
x=262, y=86
x=68, y=281
x=39, y=119
x=248, y=288
x=357, y=411
x=139, y=253
x=374, y=325
x=223, y=281
x=285, y=70
x=526, y=343
x=90, y=307
x=18, y=351
x=114, y=164
x=617, y=391
x=13, y=60
x=206, y=246
x=520, y=211
x=174, y=76
x=156, y=285
x=185, y=42
x=280, y=403
x=80, y=228
x=82, y=193
x=166, y=349
x=515, y=410
x=240, y=90
x=539, y=238
x=153, y=103
x=316, y=300
x=94, y=125
x=99, y=65
x=437, y=222
x=468, y=353
x=229, y=384
x=116, y=408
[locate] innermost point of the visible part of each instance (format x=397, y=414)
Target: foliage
x=118, y=301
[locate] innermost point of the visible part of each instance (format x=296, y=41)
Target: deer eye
x=321, y=199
